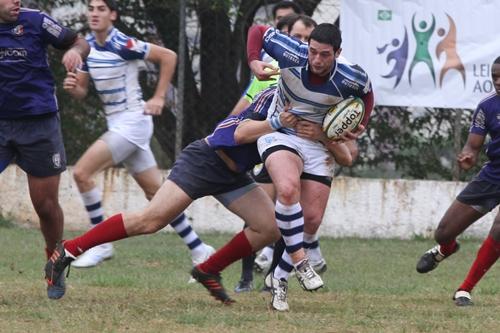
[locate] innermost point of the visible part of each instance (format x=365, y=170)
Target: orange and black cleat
x=212, y=282
x=54, y=269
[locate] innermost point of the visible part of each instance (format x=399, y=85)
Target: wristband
x=275, y=122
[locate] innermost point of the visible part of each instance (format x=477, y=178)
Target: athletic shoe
x=462, y=298
x=432, y=258
x=57, y=289
x=54, y=271
x=94, y=256
x=244, y=286
x=212, y=282
x=262, y=263
x=201, y=259
x=279, y=291
x=308, y=278
x=319, y=266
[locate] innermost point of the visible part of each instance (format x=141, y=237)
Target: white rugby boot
x=94, y=256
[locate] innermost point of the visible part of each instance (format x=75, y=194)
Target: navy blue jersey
x=246, y=155
x=26, y=84
x=486, y=120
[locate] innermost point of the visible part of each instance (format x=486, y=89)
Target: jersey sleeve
x=479, y=124
x=83, y=68
x=288, y=51
x=55, y=34
x=130, y=48
x=256, y=86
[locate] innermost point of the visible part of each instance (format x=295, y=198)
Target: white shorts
x=134, y=158
x=316, y=158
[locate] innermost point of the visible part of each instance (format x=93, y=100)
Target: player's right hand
x=70, y=81
x=263, y=70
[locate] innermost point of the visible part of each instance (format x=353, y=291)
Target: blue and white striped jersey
x=308, y=101
x=114, y=69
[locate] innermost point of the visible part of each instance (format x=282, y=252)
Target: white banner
x=424, y=52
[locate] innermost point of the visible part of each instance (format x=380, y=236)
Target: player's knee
x=149, y=193
x=289, y=194
x=80, y=175
x=46, y=207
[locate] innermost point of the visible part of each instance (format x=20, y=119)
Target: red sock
x=237, y=248
x=486, y=257
x=448, y=248
x=109, y=230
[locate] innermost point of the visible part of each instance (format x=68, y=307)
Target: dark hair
x=287, y=4
x=112, y=4
x=307, y=20
x=285, y=21
x=497, y=61
x=327, y=33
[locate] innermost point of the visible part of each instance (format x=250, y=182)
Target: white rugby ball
x=343, y=116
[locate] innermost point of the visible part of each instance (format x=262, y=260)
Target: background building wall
x=358, y=207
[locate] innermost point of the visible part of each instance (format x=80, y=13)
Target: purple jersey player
x=30, y=132
x=478, y=198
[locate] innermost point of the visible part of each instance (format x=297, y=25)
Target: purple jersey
x=486, y=120
x=26, y=84
x=246, y=155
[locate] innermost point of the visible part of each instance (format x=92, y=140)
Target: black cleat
x=432, y=258
x=462, y=298
x=54, y=272
x=212, y=282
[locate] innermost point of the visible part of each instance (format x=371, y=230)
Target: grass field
x=370, y=286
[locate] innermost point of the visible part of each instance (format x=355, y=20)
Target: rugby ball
x=343, y=116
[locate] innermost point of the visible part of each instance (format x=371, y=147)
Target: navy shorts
x=199, y=172
x=482, y=195
x=35, y=144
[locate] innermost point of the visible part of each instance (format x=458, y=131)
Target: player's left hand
x=154, y=106
x=309, y=130
x=72, y=60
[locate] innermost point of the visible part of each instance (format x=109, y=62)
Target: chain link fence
x=210, y=38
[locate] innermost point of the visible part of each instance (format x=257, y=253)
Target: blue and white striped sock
x=291, y=224
x=188, y=235
x=311, y=245
x=92, y=201
x=284, y=268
